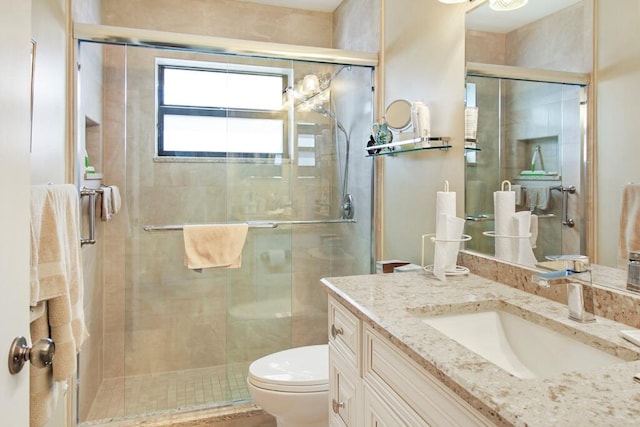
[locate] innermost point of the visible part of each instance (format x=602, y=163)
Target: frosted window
x=222, y=134
x=222, y=89
x=209, y=112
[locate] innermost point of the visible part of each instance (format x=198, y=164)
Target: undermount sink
x=522, y=348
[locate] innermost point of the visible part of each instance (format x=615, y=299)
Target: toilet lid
x=302, y=369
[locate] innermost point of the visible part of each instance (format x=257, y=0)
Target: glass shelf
x=396, y=147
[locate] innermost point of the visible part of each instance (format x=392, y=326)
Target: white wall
x=424, y=60
x=49, y=113
x=49, y=135
x=14, y=186
x=618, y=127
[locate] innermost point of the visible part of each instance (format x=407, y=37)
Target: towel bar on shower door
x=256, y=224
x=91, y=194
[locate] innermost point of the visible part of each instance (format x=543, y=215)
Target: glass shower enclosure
x=165, y=338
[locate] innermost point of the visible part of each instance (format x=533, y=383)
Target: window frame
x=163, y=109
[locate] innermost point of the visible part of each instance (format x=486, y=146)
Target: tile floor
x=130, y=397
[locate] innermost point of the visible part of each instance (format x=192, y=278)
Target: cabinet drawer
x=344, y=333
x=344, y=391
x=387, y=368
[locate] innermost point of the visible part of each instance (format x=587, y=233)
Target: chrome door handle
x=335, y=405
x=336, y=331
x=40, y=354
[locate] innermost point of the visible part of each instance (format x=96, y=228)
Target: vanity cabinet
x=373, y=383
x=344, y=366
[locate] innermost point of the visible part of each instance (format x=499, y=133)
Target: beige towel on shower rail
x=629, y=239
x=56, y=289
x=214, y=246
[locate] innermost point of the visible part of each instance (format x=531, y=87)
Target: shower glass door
x=173, y=339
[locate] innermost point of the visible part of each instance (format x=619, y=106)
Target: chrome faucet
x=579, y=294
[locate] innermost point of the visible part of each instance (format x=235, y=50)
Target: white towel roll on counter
x=445, y=204
x=523, y=250
x=504, y=206
x=448, y=233
x=449, y=229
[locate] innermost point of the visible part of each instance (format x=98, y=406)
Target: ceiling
x=482, y=18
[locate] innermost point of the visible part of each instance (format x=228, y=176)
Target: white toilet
x=293, y=386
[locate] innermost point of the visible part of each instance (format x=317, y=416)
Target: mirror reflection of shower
x=313, y=93
x=532, y=133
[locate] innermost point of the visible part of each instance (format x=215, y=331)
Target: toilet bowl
x=293, y=386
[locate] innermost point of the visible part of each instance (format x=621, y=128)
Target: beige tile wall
x=223, y=18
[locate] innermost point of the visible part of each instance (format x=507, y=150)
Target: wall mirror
x=524, y=73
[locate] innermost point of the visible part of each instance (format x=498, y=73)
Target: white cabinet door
x=344, y=391
x=15, y=46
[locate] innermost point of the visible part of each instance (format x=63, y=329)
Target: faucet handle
x=573, y=263
x=578, y=265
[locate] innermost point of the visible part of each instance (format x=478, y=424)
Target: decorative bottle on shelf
x=382, y=133
x=88, y=169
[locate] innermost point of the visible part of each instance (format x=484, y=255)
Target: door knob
x=40, y=354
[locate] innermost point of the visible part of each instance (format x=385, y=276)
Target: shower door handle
x=569, y=222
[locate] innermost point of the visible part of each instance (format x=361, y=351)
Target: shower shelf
x=442, y=140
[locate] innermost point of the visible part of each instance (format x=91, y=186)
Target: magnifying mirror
x=398, y=114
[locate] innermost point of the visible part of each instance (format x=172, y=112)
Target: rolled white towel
x=116, y=200
x=106, y=204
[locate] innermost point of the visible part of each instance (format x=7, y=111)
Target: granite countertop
x=395, y=304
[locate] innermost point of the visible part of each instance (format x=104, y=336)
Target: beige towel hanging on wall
x=56, y=290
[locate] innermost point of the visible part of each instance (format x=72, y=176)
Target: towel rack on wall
x=256, y=224
x=91, y=194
